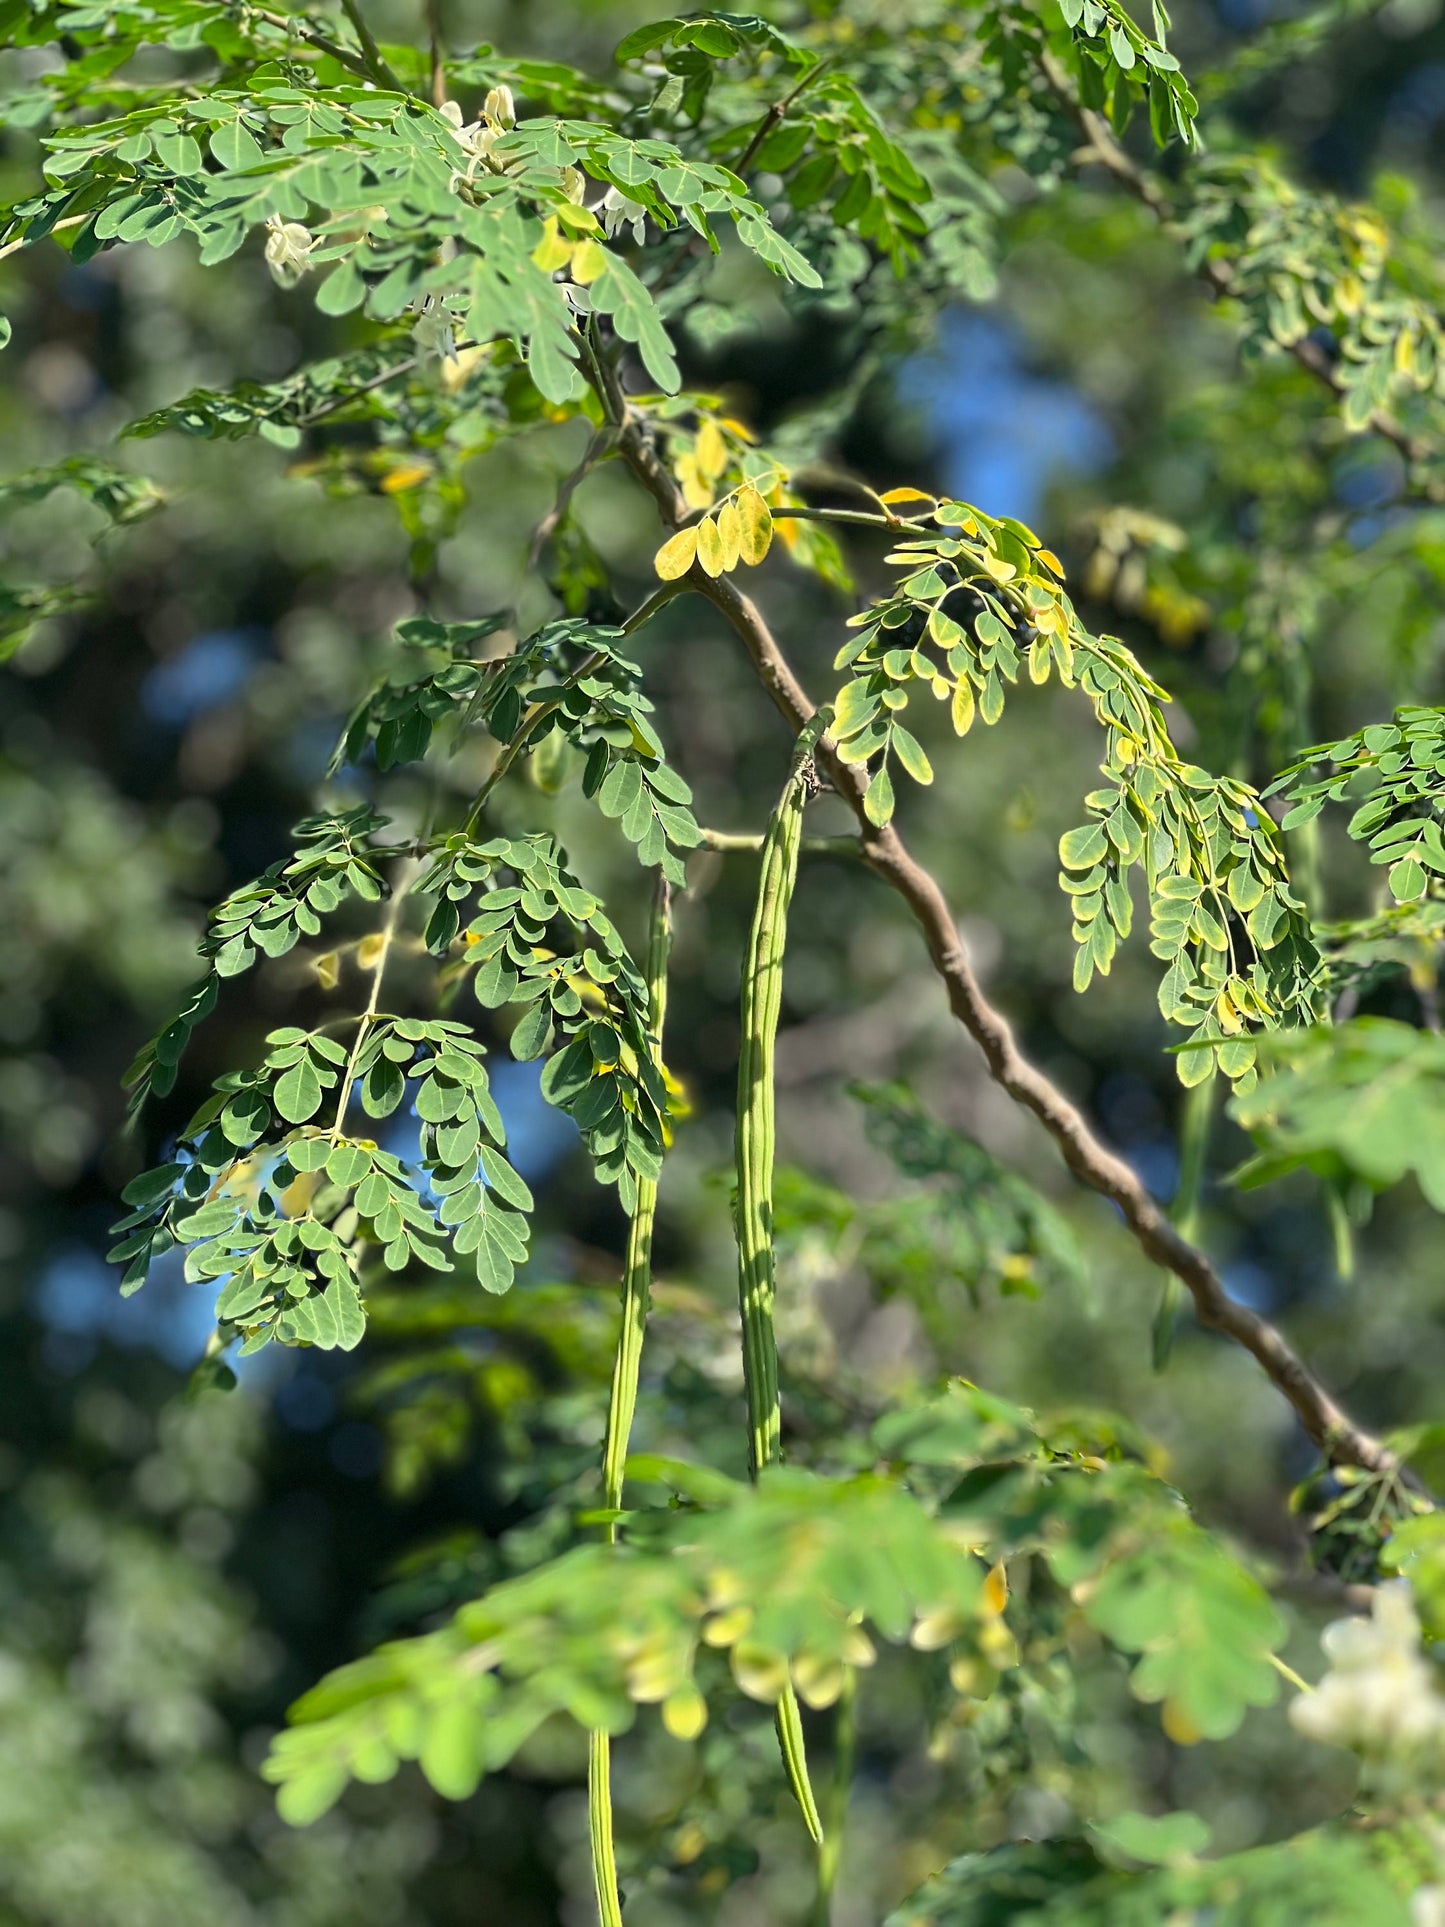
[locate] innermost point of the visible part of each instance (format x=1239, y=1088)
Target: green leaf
x=1081, y=849
x=297, y=1092
x=234, y=146
x=909, y=752
x=878, y=798
x=1154, y=1841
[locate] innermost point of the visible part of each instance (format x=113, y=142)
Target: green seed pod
x=636, y=1296
x=761, y=1003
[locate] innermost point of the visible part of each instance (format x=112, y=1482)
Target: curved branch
x=1325, y=1421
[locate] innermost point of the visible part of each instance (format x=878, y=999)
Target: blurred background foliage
x=162, y=1602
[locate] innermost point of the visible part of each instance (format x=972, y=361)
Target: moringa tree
x=518, y=246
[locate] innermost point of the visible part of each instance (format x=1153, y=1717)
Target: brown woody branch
x=1326, y=1423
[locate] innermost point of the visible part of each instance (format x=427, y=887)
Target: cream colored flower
x=434, y=333
x=1381, y=1696
x=619, y=212
x=499, y=110
x=288, y=250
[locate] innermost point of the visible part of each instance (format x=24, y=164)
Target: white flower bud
x=499, y=110
x=288, y=250
x=619, y=212
x=434, y=334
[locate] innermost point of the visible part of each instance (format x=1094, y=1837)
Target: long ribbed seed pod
x=761, y=1002
x=636, y=1295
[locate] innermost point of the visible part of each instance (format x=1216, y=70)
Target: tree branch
x=1102, y=147
x=1326, y=1422
x=775, y=116
x=438, y=56
x=375, y=60
x=295, y=27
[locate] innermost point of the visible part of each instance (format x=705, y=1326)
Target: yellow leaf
x=1049, y=560
x=755, y=526
x=712, y=450
x=297, y=1196
x=457, y=371
x=995, y=1589
x=892, y=495
x=1178, y=1725
x=730, y=531
x=684, y=1713
x=404, y=476
x=688, y=1844
x=819, y=1681
x=328, y=970
x=697, y=493
x=370, y=951
x=553, y=251
x=760, y=1672
x=588, y=261
x=581, y=220
x=963, y=706
x=710, y=546
x=727, y=1628
x=1349, y=294
x=676, y=555
x=740, y=429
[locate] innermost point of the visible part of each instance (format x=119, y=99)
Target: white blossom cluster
x=479, y=137
x=1382, y=1696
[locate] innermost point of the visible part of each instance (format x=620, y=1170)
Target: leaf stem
x=1193, y=1156
x=540, y=711
x=388, y=932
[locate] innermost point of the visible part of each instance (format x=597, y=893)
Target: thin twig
x=294, y=29
x=1322, y=1418
x=24, y=241
x=338, y=402
x=775, y=116
x=1101, y=147
x=375, y=59
x=551, y=521
x=895, y=524
x=541, y=710
x=438, y=58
